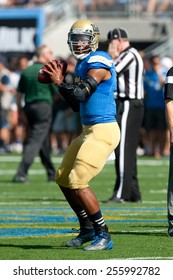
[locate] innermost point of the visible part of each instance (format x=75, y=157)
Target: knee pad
x=80, y=176
x=61, y=178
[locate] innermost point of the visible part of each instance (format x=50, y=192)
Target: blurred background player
x=38, y=109
x=154, y=117
x=6, y=96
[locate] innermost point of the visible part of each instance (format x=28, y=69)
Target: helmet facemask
x=83, y=38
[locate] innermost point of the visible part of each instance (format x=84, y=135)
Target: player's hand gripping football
x=53, y=72
x=54, y=69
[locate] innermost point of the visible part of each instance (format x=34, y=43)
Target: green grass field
x=36, y=221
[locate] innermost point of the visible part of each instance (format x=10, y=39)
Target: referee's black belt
x=127, y=98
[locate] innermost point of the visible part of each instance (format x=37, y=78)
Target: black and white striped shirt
x=169, y=84
x=130, y=69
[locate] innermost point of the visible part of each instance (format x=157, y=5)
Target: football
x=44, y=77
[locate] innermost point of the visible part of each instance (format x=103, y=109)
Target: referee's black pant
x=39, y=116
x=130, y=116
x=170, y=189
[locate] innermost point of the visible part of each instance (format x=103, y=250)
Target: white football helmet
x=83, y=38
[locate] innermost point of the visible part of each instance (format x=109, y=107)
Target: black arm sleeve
x=76, y=93
x=66, y=91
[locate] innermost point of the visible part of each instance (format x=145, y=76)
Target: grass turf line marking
x=151, y=162
x=64, y=203
x=149, y=258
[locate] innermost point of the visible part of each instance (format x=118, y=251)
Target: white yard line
x=149, y=258
x=18, y=158
x=150, y=162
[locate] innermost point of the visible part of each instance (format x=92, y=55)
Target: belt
x=127, y=98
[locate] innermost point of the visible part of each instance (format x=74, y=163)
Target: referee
x=38, y=109
x=129, y=98
x=169, y=116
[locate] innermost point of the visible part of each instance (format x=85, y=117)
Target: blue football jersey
x=100, y=107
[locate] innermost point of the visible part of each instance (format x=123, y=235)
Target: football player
x=169, y=115
x=92, y=92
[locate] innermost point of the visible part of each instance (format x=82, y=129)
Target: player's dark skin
x=84, y=196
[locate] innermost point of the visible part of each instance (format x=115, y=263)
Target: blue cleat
x=102, y=242
x=85, y=235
